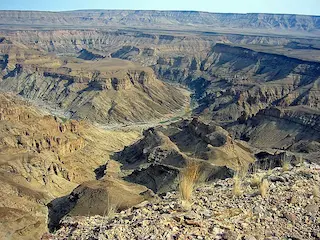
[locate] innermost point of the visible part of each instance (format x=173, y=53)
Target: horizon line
x=153, y=10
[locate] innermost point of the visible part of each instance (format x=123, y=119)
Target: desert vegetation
x=316, y=191
x=264, y=187
x=187, y=180
x=256, y=179
x=237, y=186
x=286, y=165
x=214, y=213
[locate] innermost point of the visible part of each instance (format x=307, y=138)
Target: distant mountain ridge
x=252, y=22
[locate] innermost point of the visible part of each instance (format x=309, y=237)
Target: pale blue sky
x=310, y=7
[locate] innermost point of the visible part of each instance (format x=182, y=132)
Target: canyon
x=97, y=106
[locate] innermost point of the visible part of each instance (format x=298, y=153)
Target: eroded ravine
x=269, y=100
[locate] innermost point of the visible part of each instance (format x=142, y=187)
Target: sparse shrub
x=264, y=188
x=187, y=179
x=237, y=188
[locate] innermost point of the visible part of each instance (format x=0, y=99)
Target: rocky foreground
x=290, y=210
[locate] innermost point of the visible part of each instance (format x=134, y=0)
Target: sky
x=308, y=7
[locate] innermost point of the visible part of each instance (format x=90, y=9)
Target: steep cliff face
x=294, y=129
x=117, y=43
x=306, y=117
x=229, y=82
x=31, y=150
x=88, y=55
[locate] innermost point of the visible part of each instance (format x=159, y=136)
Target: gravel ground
x=289, y=211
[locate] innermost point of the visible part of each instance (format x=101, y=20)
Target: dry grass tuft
x=111, y=209
x=316, y=191
x=237, y=187
x=264, y=188
x=286, y=166
x=187, y=181
x=109, y=212
x=256, y=180
x=301, y=161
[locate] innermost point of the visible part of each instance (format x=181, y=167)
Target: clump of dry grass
x=286, y=166
x=264, y=188
x=316, y=192
x=256, y=180
x=237, y=186
x=187, y=181
x=110, y=209
x=109, y=212
x=301, y=161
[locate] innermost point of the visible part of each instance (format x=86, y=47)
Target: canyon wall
x=228, y=81
x=100, y=90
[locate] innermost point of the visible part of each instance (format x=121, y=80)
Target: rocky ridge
x=156, y=160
